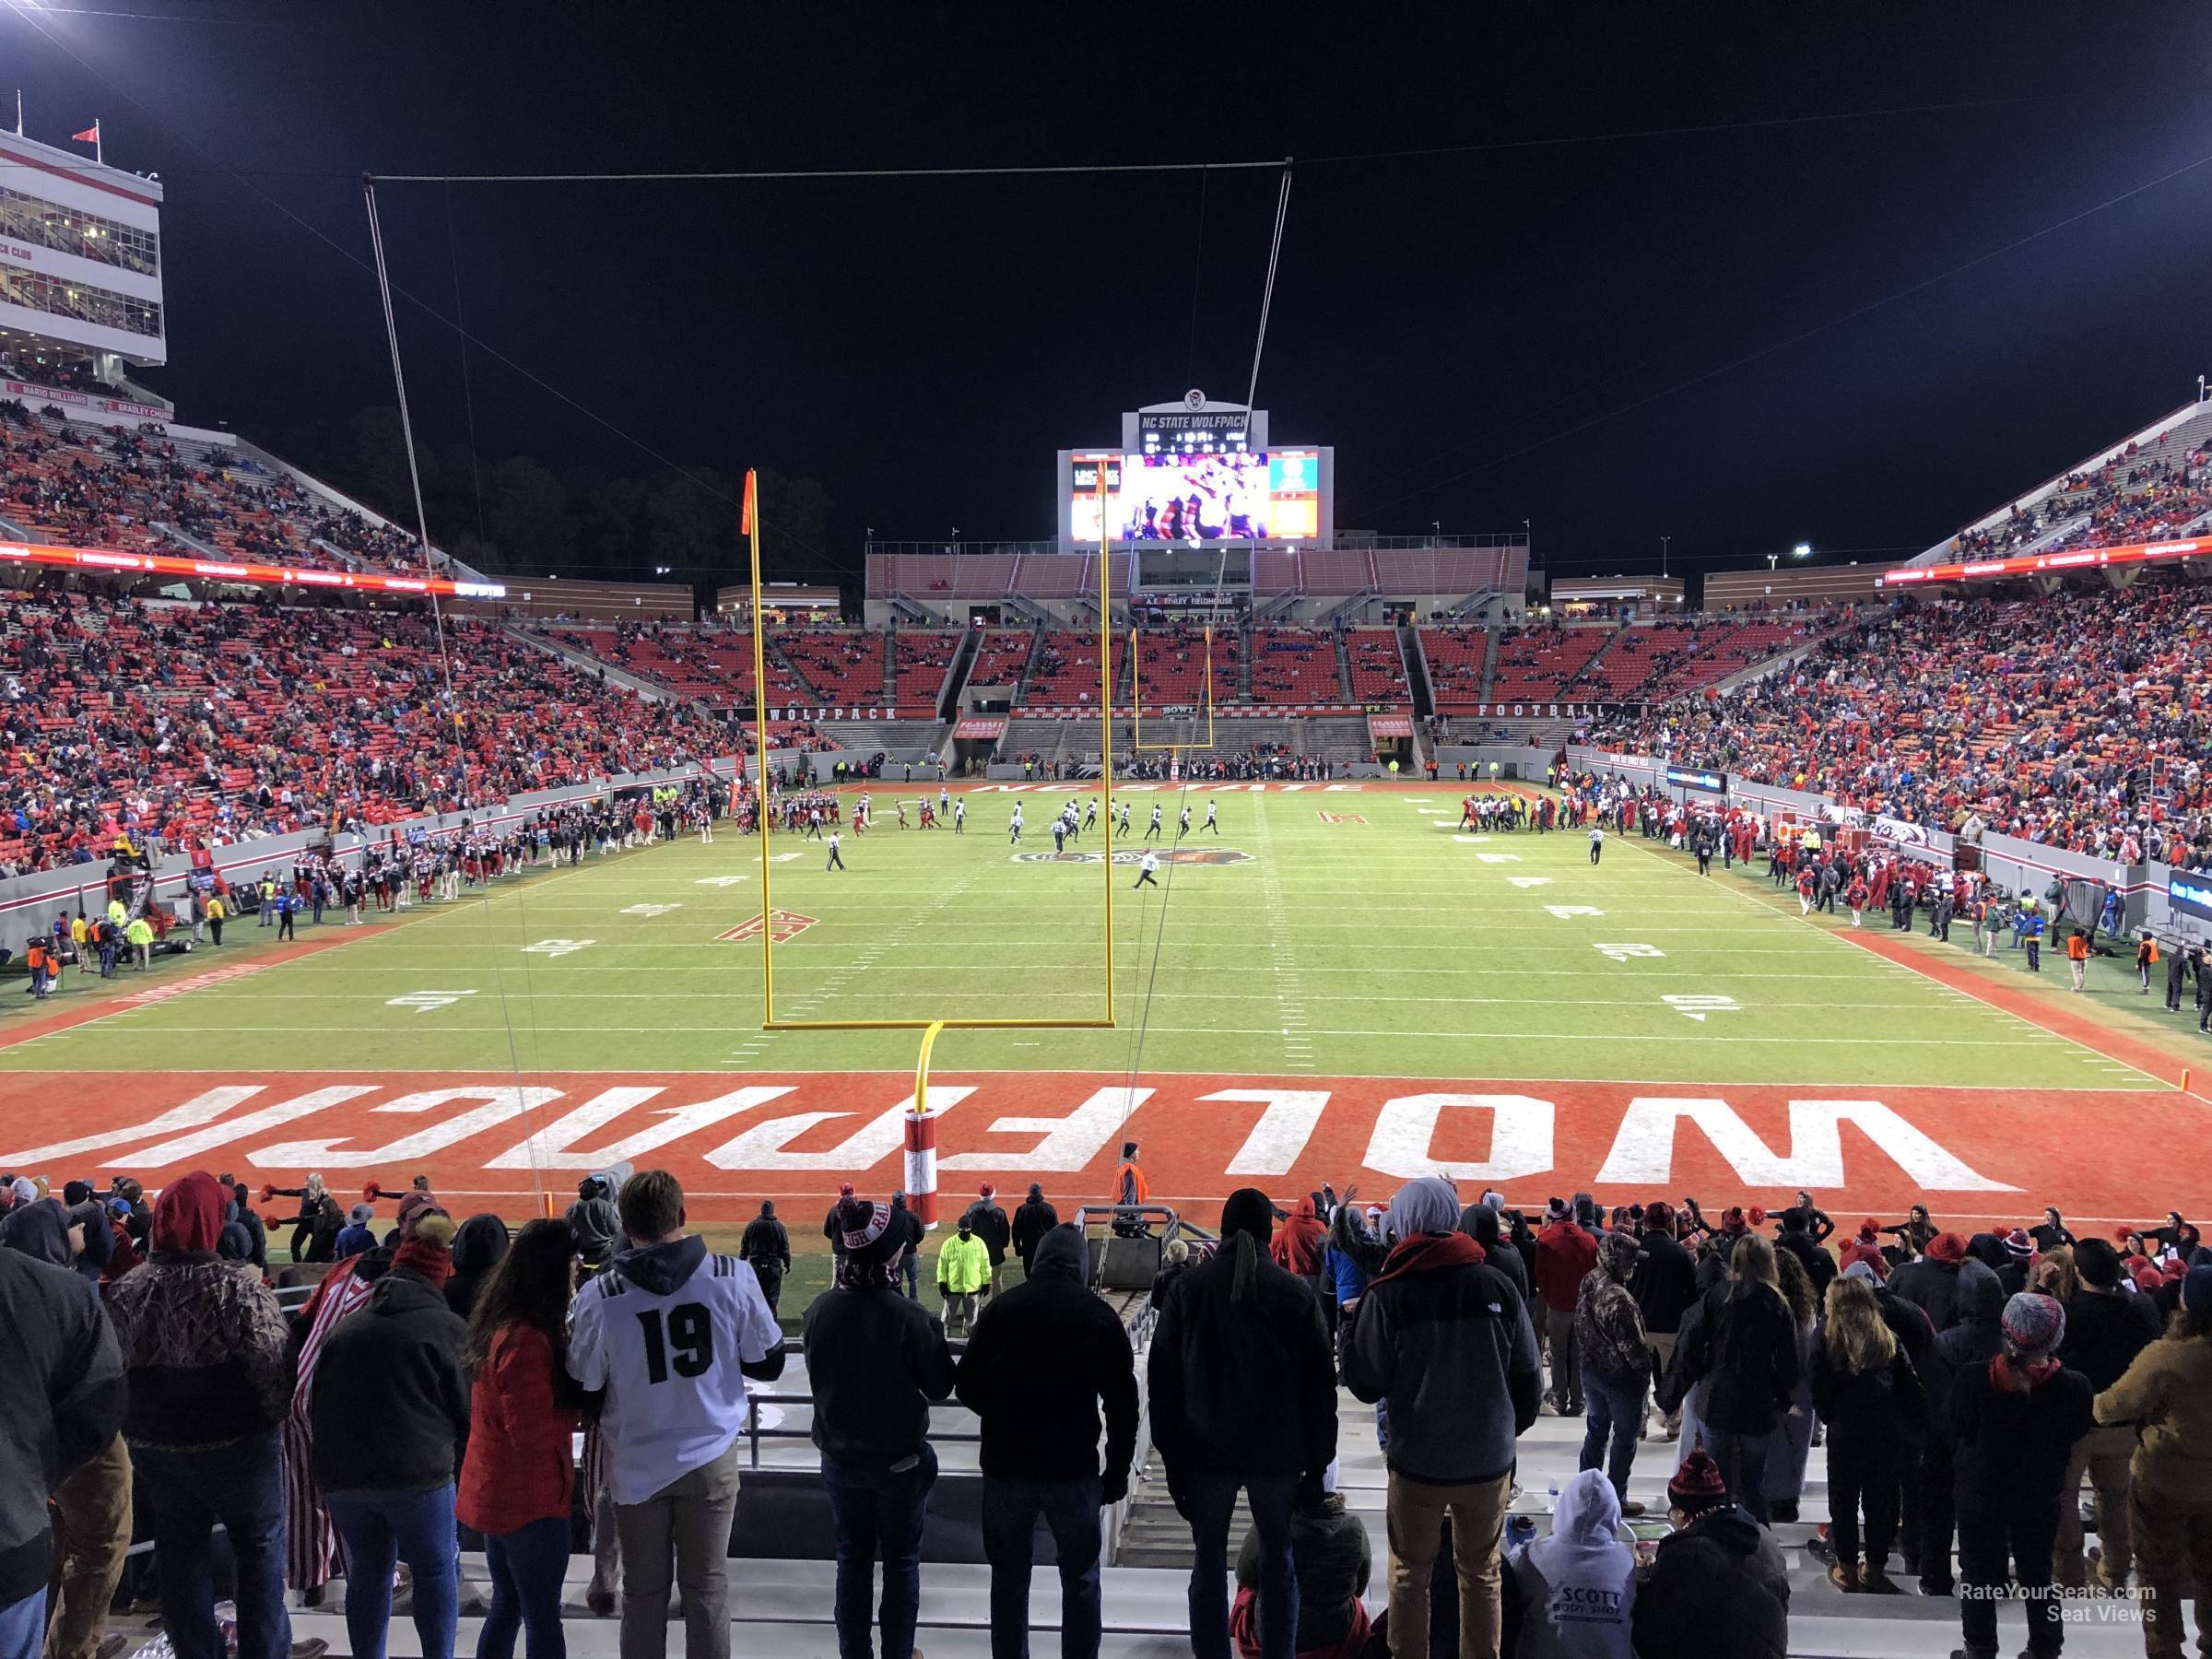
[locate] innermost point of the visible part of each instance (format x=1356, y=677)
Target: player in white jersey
x=1182, y=823
x=1155, y=829
x=1212, y=816
x=1014, y=824
x=960, y=814
x=669, y=1333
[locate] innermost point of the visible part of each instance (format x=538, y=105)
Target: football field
x=1341, y=985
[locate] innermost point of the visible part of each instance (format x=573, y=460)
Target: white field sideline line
x=552, y=1033
x=1260, y=997
x=949, y=1074
x=1031, y=968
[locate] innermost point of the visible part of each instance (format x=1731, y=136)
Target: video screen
x=1201, y=497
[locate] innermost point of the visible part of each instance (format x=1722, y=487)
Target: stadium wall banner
x=978, y=729
x=2031, y=564
x=216, y=570
x=30, y=394
x=1389, y=725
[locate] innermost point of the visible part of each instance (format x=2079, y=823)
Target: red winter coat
x=521, y=1451
x=1564, y=1254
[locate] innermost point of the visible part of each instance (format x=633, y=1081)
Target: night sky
x=1613, y=337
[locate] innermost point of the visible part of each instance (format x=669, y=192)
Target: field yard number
x=649, y=910
x=1528, y=881
x=721, y=881
x=1697, y=1007
x=1498, y=857
x=422, y=1001
x=1621, y=953
x=1569, y=911
x=557, y=948
x=787, y=857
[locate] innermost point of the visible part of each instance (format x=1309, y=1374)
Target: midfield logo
x=1123, y=855
x=783, y=924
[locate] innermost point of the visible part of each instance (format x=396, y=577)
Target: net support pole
x=750, y=524
x=922, y=1138
x=1106, y=716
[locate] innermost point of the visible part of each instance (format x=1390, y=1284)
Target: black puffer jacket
x=1718, y=1589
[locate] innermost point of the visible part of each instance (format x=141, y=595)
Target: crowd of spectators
x=2144, y=493
x=1971, y=1390
x=110, y=487
x=230, y=722
x=2078, y=719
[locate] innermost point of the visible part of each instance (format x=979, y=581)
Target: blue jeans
x=1743, y=1459
x=877, y=1510
x=381, y=1529
x=1071, y=1509
x=241, y=1484
x=1614, y=1405
x=910, y=1269
x=23, y=1626
x=528, y=1566
x=1213, y=1499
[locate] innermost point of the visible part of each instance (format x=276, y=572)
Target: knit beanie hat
x=1947, y=1247
x=2033, y=1325
x=1697, y=1485
x=864, y=1230
x=1659, y=1216
x=2197, y=1292
x=1860, y=1270
x=2018, y=1245
x=75, y=1193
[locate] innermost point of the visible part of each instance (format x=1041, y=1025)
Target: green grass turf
x=1384, y=948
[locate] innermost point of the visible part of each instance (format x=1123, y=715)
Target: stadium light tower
x=1662, y=541
x=1802, y=551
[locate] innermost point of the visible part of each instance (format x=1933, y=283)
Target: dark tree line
x=518, y=515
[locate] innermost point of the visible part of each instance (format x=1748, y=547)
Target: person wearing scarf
x=390, y=1410
x=1243, y=1397
x=209, y=1365
x=2013, y=1425
x=877, y=1361
x=1442, y=1338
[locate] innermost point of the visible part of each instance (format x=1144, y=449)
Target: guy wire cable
x=445, y=660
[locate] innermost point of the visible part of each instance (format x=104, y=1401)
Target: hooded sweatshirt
x=1577, y=1584
x=204, y=1343
x=1033, y=1221
x=40, y=1232
x=2167, y=1395
x=1297, y=1244
x=667, y=1332
x=1482, y=1223
x=1044, y=1356
x=390, y=1400
x=1608, y=1330
x=1976, y=1340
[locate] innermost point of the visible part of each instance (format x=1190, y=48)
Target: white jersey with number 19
x=668, y=1358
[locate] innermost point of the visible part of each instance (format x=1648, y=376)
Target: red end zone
x=491, y=1142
